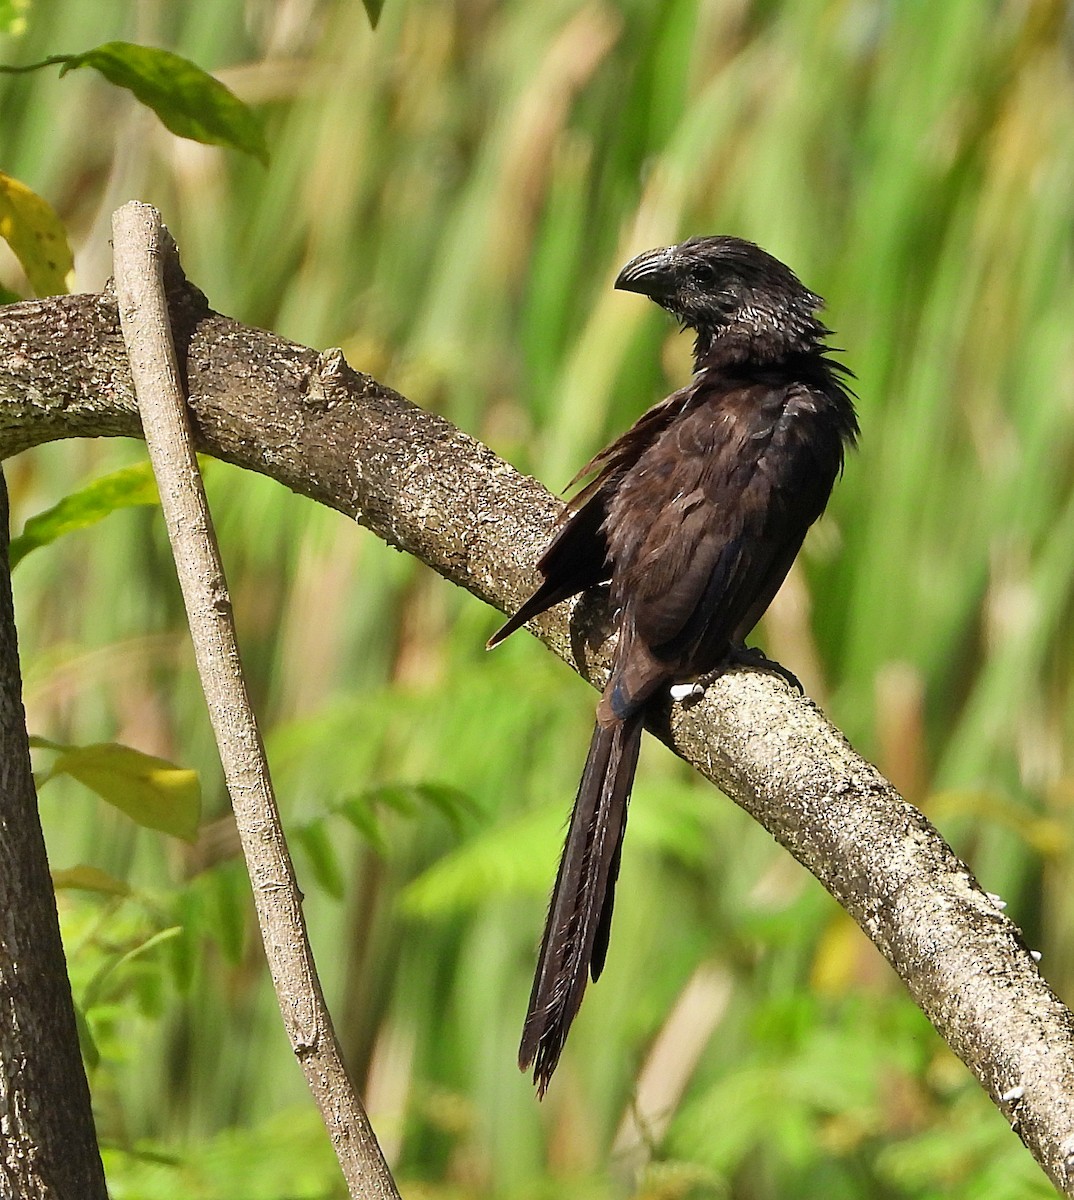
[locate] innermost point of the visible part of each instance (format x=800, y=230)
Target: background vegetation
x=448, y=198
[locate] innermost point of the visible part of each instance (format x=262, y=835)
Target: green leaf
x=190, y=102
x=227, y=909
x=317, y=844
x=91, y=1055
x=399, y=797
x=94, y=990
x=505, y=859
x=9, y=297
x=452, y=803
x=36, y=235
x=359, y=812
x=121, y=489
x=404, y=798
x=89, y=879
x=151, y=791
x=373, y=9
x=37, y=742
x=12, y=19
x=184, y=951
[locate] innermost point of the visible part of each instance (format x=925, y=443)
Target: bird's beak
x=650, y=273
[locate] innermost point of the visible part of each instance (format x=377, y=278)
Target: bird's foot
x=757, y=660
x=737, y=656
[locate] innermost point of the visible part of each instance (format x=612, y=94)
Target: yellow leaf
x=89, y=879
x=33, y=231
x=150, y=790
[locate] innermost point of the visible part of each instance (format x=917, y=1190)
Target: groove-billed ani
x=694, y=517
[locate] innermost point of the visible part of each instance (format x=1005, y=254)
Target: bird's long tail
x=579, y=917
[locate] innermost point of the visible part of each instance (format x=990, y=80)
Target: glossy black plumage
x=694, y=517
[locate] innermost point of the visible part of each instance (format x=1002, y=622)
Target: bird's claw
x=738, y=656
x=757, y=660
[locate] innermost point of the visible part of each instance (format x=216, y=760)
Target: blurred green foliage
x=448, y=199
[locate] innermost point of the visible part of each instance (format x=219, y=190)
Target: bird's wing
x=577, y=558
x=705, y=526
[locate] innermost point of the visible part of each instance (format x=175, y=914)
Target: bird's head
x=739, y=300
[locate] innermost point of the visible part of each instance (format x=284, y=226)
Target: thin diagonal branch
x=141, y=245
x=309, y=421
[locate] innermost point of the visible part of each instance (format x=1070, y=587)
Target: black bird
x=694, y=518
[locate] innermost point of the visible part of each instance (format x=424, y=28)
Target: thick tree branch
x=310, y=422
x=48, y=1147
x=142, y=246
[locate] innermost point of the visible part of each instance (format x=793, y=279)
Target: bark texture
x=48, y=1146
x=309, y=421
x=142, y=249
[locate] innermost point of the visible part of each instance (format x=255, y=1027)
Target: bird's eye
x=703, y=274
